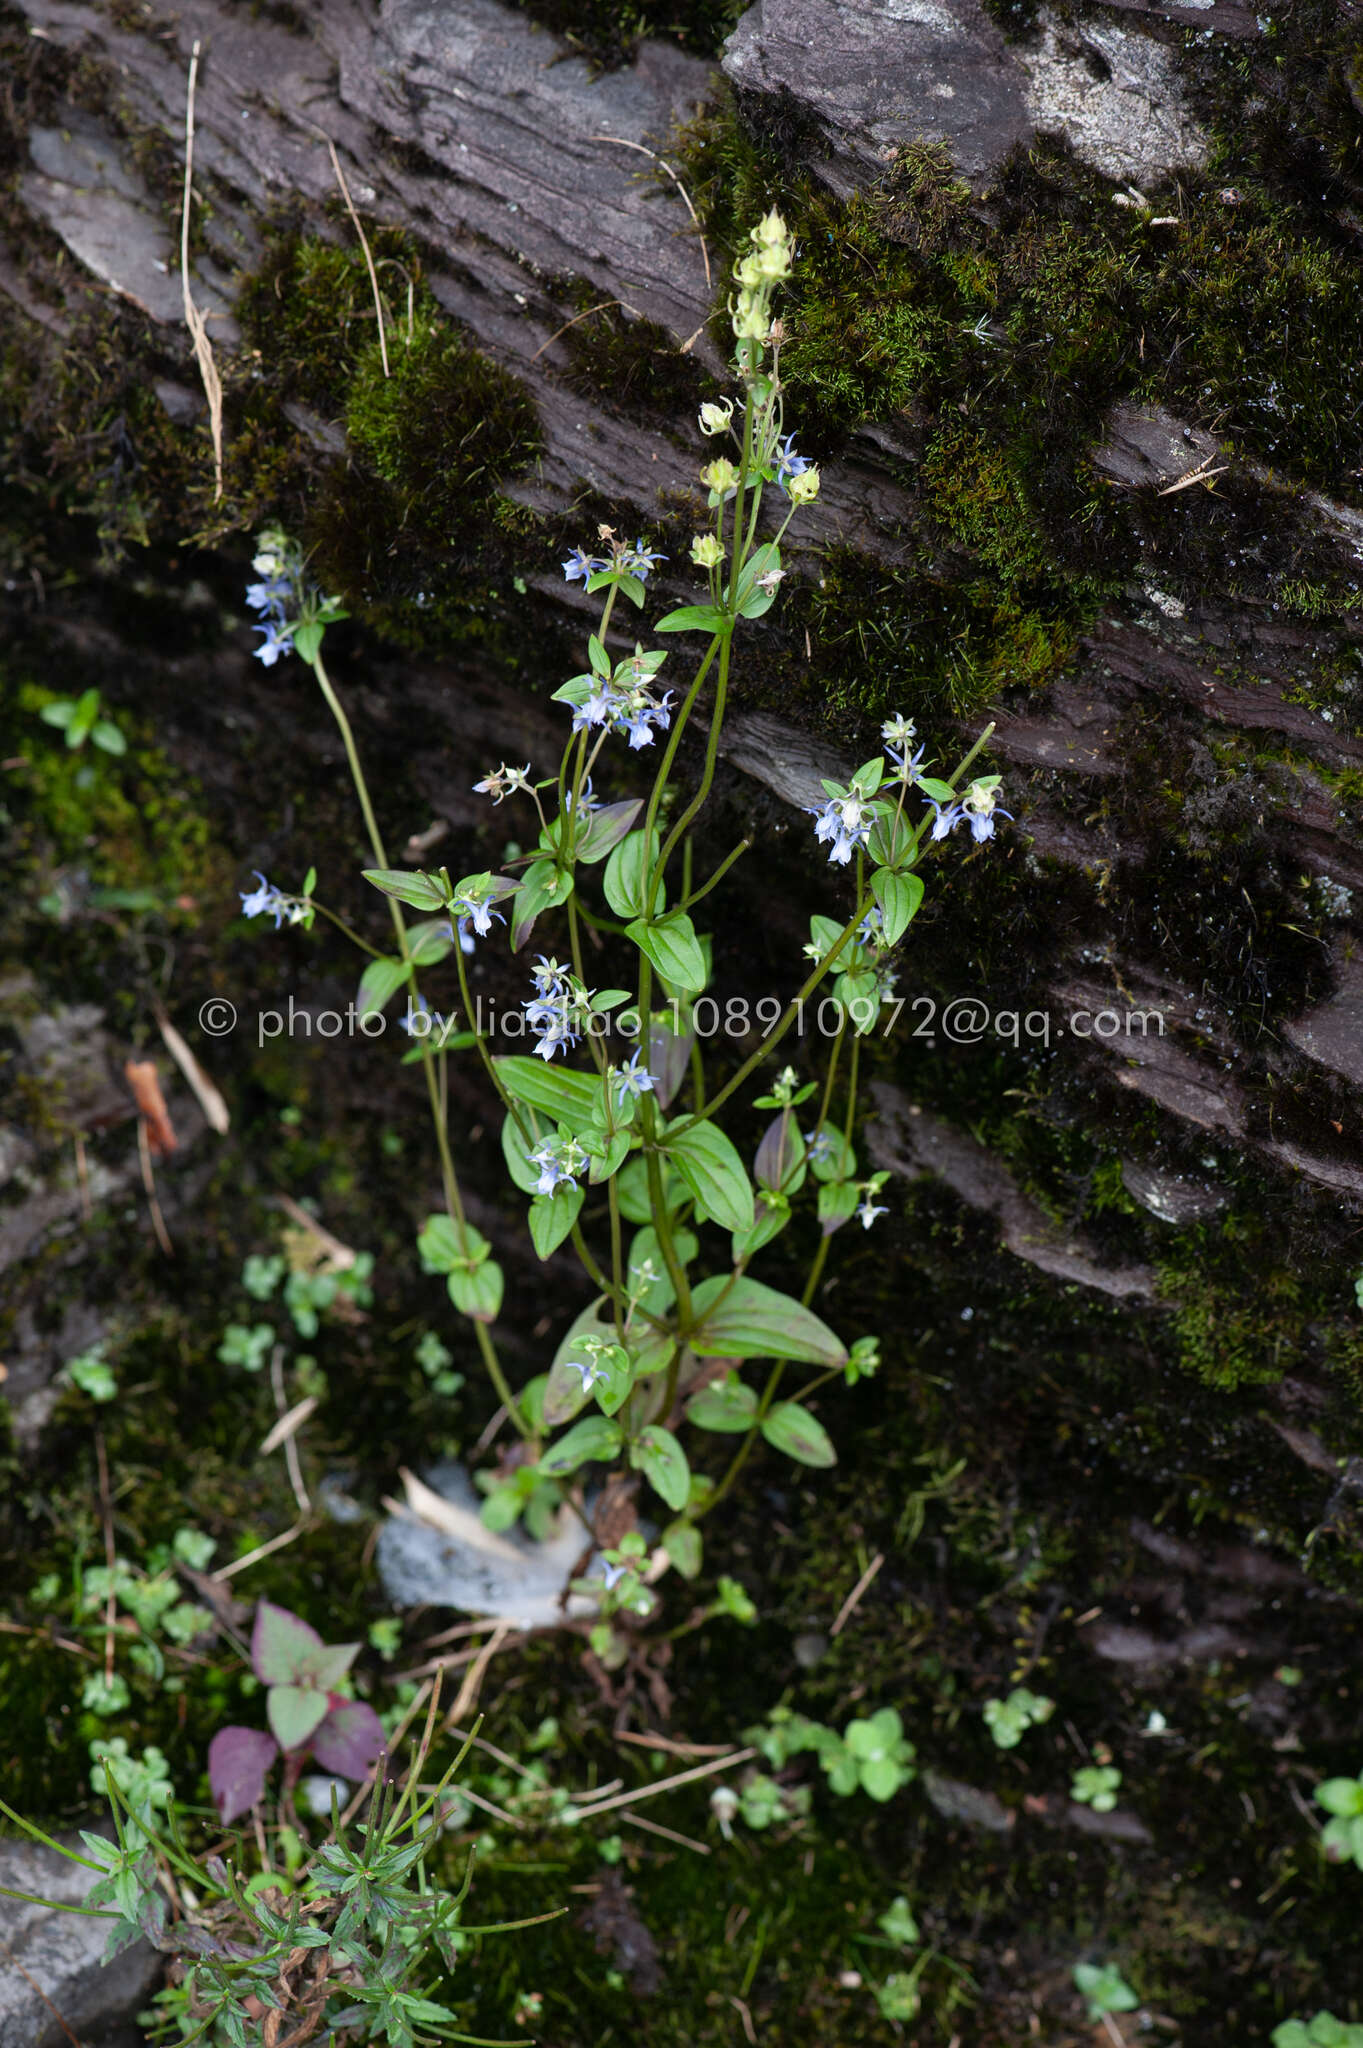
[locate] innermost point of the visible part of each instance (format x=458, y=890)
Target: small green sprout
x=898, y=1924
x=1324, y=2031
x=898, y=1997
x=105, y=1696
x=1342, y=1839
x=435, y=1360
x=1008, y=1720
x=872, y=1755
x=1104, y=1989
x=79, y=719
x=260, y=1276
x=248, y=1347
x=1096, y=1786
x=90, y=1371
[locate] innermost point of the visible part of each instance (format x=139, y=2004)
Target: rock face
x=53, y=1985
x=870, y=76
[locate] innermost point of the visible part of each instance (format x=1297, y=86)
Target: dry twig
x=854, y=1598
x=364, y=244
x=194, y=319
x=622, y=143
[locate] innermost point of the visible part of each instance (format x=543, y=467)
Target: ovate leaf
x=623, y=879
x=379, y=983
x=656, y=1453
x=744, y=1319
x=709, y=1164
x=478, y=1294
x=792, y=1429
x=593, y=1440
x=671, y=944
x=281, y=1644
x=899, y=897
x=238, y=1761
x=728, y=1406
x=423, y=892
x=552, y=1217
x=294, y=1711
x=349, y=1740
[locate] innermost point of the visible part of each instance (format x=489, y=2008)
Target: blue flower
x=269, y=596
x=981, y=805
x=907, y=767
x=559, y=1005
x=846, y=821
x=788, y=463
x=473, y=915
x=632, y=1080
x=947, y=817
x=266, y=901
x=559, y=1160
x=643, y=716
x=591, y=1375
x=639, y=559
x=868, y=1212
x=278, y=640
x=612, y=1574
x=580, y=565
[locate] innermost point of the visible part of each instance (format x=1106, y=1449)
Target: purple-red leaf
x=238, y=1760
x=280, y=1644
x=349, y=1740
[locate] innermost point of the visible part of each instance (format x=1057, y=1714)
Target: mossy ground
x=994, y=342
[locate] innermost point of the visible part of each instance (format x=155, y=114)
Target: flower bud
x=719, y=476
x=750, y=320
x=804, y=489
x=714, y=419
x=706, y=551
x=771, y=230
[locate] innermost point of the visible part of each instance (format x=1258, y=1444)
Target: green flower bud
x=804, y=489
x=714, y=419
x=706, y=551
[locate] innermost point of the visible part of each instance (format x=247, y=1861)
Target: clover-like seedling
x=872, y=1755
x=1342, y=1839
x=306, y=1712
x=1324, y=2031
x=1008, y=1720
x=1096, y=1786
x=1104, y=1989
x=78, y=718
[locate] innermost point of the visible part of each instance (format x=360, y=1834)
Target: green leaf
x=604, y=829
x=656, y=1453
x=59, y=714
x=940, y=792
x=709, y=1164
x=429, y=942
x=792, y=1429
x=671, y=944
x=294, y=1712
x=552, y=1217
x=837, y=1205
x=422, y=891
x=727, y=1406
x=516, y=1152
x=623, y=878
x=379, y=983
x=692, y=618
x=109, y=737
x=557, y=1092
x=593, y=1440
x=780, y=1162
x=307, y=639
x=835, y=1158
x=751, y=601
x=544, y=886
x=771, y=1214
x=899, y=897
x=681, y=1541
x=479, y=1293
x=443, y=1247
x=748, y=1320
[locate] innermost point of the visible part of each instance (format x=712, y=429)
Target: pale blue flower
x=846, y=821
x=868, y=1212
x=639, y=559
x=580, y=565
x=788, y=463
x=591, y=1374
x=946, y=818
x=612, y=1574
x=278, y=640
x=266, y=901
x=558, y=1160
x=473, y=916
x=632, y=1080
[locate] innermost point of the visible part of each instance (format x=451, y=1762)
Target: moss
x=609, y=31
x=635, y=365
